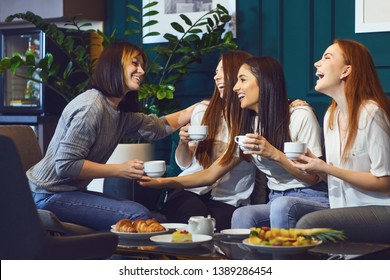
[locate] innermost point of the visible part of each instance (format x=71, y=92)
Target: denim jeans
x=284, y=208
x=90, y=209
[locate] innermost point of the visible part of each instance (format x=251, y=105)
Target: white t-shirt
x=304, y=128
x=236, y=186
x=369, y=153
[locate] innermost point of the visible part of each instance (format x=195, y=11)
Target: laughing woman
x=87, y=133
x=357, y=142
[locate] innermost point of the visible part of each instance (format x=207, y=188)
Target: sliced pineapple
x=293, y=236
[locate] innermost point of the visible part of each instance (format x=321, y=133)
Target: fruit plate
x=137, y=235
x=236, y=232
x=166, y=240
x=279, y=249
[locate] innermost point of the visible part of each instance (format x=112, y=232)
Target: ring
x=257, y=147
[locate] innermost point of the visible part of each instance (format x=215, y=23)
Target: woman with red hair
x=357, y=142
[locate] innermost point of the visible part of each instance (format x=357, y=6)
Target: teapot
x=201, y=225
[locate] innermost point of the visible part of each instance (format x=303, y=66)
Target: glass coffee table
x=222, y=247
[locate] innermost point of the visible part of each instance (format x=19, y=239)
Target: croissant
x=150, y=225
x=150, y=221
x=125, y=225
x=155, y=227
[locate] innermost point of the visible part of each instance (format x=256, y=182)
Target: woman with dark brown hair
x=221, y=114
x=88, y=131
x=357, y=143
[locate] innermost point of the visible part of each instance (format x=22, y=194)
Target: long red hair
x=361, y=85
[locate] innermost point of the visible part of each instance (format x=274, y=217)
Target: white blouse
x=369, y=153
x=236, y=186
x=304, y=128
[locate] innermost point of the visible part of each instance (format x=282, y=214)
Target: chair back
x=26, y=143
x=22, y=235
x=21, y=231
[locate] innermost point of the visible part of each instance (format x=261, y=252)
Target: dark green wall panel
x=296, y=32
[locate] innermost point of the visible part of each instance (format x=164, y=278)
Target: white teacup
x=294, y=149
x=155, y=168
x=198, y=132
x=240, y=141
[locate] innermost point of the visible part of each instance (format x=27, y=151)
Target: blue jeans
x=283, y=210
x=90, y=209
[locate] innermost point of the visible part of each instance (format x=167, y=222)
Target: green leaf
x=177, y=27
x=151, y=13
x=154, y=33
x=210, y=22
x=131, y=31
x=191, y=38
x=195, y=31
x=172, y=78
x=149, y=23
x=132, y=19
x=170, y=37
x=184, y=50
x=201, y=23
x=134, y=8
x=15, y=65
x=43, y=75
x=5, y=64
x=151, y=4
x=219, y=6
x=226, y=18
x=186, y=19
x=30, y=58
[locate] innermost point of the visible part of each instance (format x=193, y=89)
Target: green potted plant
x=168, y=63
x=73, y=41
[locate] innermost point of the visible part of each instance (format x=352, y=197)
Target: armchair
x=22, y=235
x=30, y=153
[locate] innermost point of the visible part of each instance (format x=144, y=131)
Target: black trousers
x=181, y=205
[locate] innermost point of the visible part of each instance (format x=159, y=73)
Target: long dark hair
x=273, y=105
x=227, y=107
x=108, y=76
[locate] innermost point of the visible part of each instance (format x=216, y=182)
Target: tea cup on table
x=198, y=132
x=240, y=141
x=155, y=168
x=294, y=149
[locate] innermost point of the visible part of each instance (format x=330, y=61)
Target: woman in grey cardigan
x=87, y=133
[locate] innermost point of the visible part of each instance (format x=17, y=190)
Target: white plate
x=279, y=249
x=166, y=240
x=136, y=235
x=174, y=226
x=236, y=232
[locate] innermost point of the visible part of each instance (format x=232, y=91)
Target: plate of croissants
x=139, y=229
